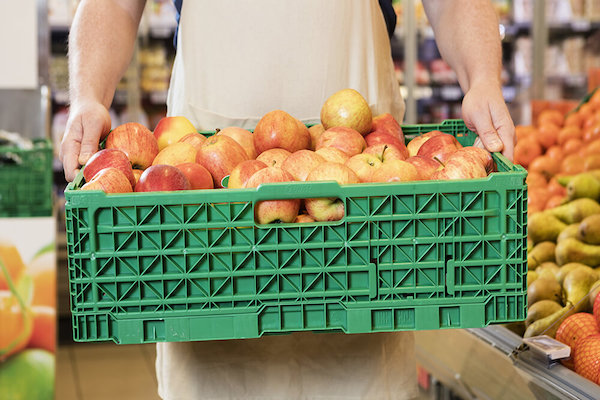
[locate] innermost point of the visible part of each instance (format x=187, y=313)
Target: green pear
x=544, y=226
x=541, y=253
x=575, y=211
x=529, y=244
x=565, y=269
x=594, y=290
x=564, y=180
x=589, y=230
x=573, y=250
x=583, y=185
x=544, y=289
x=531, y=277
x=549, y=325
x=541, y=309
x=569, y=231
x=577, y=285
x=548, y=270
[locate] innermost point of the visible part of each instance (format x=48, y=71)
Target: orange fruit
x=526, y=151
x=535, y=179
x=547, y=134
x=591, y=162
x=552, y=116
x=595, y=99
x=556, y=152
x=572, y=146
x=554, y=201
x=533, y=209
x=545, y=165
x=575, y=327
x=569, y=132
x=43, y=335
x=591, y=148
x=587, y=357
x=537, y=198
x=523, y=131
x=586, y=110
x=43, y=272
x=9, y=255
x=591, y=120
x=574, y=119
x=556, y=188
x=16, y=325
x=571, y=165
x=592, y=133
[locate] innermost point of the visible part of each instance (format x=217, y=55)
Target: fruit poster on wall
x=27, y=308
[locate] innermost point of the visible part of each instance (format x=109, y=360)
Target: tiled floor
x=106, y=371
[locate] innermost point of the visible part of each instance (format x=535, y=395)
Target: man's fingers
x=69, y=154
x=94, y=128
x=483, y=125
x=507, y=134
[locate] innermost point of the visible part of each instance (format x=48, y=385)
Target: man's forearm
x=100, y=47
x=467, y=35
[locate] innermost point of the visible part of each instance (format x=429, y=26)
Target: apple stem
x=440, y=161
x=217, y=130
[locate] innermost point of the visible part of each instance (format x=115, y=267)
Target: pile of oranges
x=558, y=145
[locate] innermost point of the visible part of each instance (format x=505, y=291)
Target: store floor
x=106, y=371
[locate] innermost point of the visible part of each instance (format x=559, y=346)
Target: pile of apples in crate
x=350, y=146
x=558, y=145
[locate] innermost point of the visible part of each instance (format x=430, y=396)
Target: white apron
x=237, y=60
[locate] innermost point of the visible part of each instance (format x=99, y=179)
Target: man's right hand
x=87, y=124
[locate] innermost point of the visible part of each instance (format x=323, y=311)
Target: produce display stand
x=482, y=363
x=194, y=265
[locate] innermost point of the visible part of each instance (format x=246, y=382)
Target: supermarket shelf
x=575, y=26
x=479, y=363
x=451, y=92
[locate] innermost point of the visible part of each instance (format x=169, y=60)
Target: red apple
x=160, y=178
x=175, y=154
x=347, y=108
x=300, y=163
x=425, y=165
x=219, y=155
x=108, y=158
x=346, y=139
x=243, y=137
x=461, y=166
x=331, y=154
x=269, y=211
x=136, y=141
x=483, y=155
x=395, y=171
x=136, y=174
x=386, y=123
x=278, y=129
x=386, y=152
x=303, y=219
x=315, y=131
x=363, y=165
x=440, y=147
x=329, y=208
x=376, y=138
x=170, y=129
x=197, y=175
x=242, y=172
x=195, y=139
x=414, y=145
x=109, y=180
x=274, y=157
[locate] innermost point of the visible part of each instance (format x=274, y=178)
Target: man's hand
x=87, y=124
x=485, y=112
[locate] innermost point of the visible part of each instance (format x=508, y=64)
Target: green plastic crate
x=180, y=266
x=26, y=180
